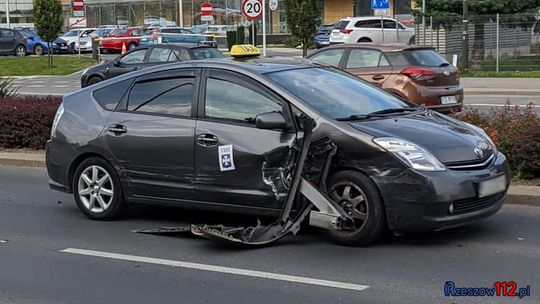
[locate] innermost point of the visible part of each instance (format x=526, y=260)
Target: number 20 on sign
x=252, y=9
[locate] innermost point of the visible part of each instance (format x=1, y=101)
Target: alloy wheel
x=20, y=51
x=353, y=201
x=95, y=188
x=38, y=50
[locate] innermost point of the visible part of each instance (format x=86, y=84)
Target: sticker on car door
x=226, y=158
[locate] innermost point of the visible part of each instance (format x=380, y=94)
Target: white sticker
x=226, y=159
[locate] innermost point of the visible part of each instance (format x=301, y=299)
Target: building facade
x=187, y=12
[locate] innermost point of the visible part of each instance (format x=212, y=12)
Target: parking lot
x=52, y=254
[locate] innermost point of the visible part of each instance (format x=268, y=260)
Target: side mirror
x=271, y=120
x=32, y=38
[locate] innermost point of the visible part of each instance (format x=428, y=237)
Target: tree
x=48, y=20
x=446, y=12
x=303, y=17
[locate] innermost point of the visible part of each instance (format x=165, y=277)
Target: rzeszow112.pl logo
x=499, y=289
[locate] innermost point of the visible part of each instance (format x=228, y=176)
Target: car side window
x=134, y=57
x=109, y=96
x=172, y=96
x=179, y=55
x=7, y=33
x=231, y=101
x=159, y=55
x=364, y=58
x=330, y=57
x=389, y=24
x=375, y=23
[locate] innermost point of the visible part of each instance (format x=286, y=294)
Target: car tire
x=131, y=46
x=97, y=190
x=364, y=39
x=71, y=49
x=412, y=40
x=360, y=198
x=93, y=80
x=38, y=50
x=20, y=51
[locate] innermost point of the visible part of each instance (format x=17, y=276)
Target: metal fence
x=496, y=42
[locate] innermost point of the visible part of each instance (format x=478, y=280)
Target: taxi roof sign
x=244, y=50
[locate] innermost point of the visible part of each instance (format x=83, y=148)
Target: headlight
x=484, y=135
x=411, y=154
x=57, y=117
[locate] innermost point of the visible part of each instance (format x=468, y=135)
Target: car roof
x=384, y=47
x=365, y=18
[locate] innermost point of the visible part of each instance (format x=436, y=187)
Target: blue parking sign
x=380, y=4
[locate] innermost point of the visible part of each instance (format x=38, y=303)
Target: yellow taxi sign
x=245, y=50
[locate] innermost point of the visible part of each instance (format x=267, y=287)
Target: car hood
x=447, y=139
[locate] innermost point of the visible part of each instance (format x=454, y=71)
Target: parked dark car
x=322, y=37
x=12, y=43
x=415, y=73
x=37, y=46
x=146, y=56
x=157, y=136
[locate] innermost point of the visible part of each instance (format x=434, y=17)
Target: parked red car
x=128, y=36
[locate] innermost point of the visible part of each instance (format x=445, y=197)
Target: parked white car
x=74, y=36
x=371, y=29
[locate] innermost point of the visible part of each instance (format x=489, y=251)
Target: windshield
x=334, y=93
x=27, y=34
x=119, y=32
x=71, y=33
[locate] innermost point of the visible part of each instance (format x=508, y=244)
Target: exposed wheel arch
x=79, y=159
x=364, y=40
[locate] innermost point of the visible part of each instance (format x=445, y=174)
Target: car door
x=368, y=64
x=128, y=62
x=8, y=41
x=332, y=57
x=151, y=133
x=235, y=162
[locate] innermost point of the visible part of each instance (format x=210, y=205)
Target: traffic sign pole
x=264, y=26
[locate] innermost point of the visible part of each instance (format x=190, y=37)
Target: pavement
x=517, y=194
x=50, y=253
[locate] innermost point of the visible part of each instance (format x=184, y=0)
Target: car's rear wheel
x=364, y=39
x=412, y=40
x=360, y=199
x=20, y=51
x=94, y=80
x=97, y=190
x=38, y=50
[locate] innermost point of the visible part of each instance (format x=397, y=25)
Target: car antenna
x=168, y=44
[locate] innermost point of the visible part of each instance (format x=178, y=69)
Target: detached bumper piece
x=311, y=167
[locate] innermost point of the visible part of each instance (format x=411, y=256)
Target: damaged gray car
x=292, y=140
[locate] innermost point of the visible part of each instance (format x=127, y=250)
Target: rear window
x=342, y=24
x=427, y=58
x=109, y=96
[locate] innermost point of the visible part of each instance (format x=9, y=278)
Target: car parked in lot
x=175, y=35
x=38, y=46
x=322, y=37
x=371, y=29
x=417, y=74
x=12, y=43
x=146, y=56
x=118, y=38
x=78, y=38
x=219, y=135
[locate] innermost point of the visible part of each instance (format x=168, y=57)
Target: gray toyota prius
x=221, y=135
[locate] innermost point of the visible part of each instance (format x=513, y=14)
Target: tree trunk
x=478, y=51
x=304, y=48
x=49, y=59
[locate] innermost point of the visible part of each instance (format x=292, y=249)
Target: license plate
x=325, y=42
x=448, y=99
x=63, y=47
x=491, y=186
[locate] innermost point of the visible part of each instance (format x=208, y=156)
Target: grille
x=474, y=204
x=476, y=164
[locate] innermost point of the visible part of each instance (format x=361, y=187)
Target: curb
x=517, y=195
x=498, y=92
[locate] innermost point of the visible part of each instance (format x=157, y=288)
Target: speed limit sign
x=252, y=9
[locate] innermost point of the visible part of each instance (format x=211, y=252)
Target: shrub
x=516, y=132
x=7, y=89
x=25, y=122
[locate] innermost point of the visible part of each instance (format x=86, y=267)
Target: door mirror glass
x=272, y=120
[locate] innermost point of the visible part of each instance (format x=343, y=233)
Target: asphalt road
x=48, y=255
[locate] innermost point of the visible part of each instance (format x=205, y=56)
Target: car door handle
x=117, y=129
x=378, y=77
x=207, y=140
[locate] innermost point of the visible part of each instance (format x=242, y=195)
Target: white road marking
x=214, y=268
x=60, y=86
x=36, y=86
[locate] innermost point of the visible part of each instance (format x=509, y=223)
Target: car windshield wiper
x=377, y=114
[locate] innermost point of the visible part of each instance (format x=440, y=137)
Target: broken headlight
x=413, y=155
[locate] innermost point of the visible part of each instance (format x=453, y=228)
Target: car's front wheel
x=38, y=50
x=94, y=80
x=358, y=196
x=97, y=190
